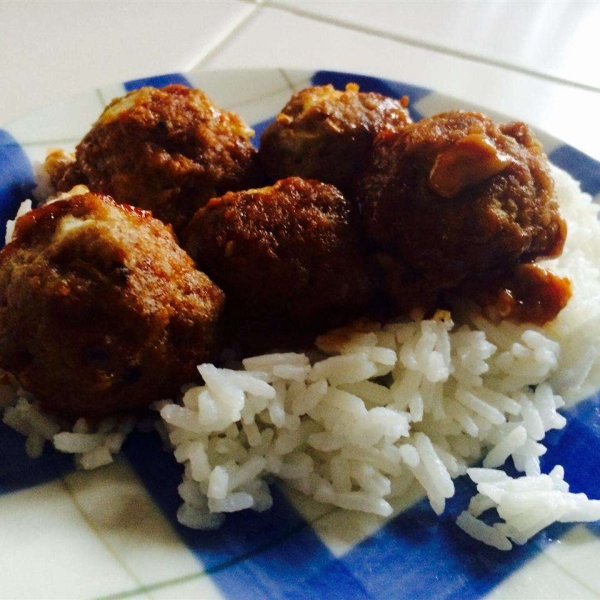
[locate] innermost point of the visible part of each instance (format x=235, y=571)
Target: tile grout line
x=287, y=79
x=96, y=531
x=236, y=26
x=284, y=7
x=100, y=98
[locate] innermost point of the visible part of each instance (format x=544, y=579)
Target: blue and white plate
x=112, y=533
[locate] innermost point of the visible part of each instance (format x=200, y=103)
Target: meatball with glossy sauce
x=100, y=310
x=456, y=194
x=166, y=150
x=325, y=134
x=288, y=250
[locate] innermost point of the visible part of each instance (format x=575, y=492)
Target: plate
x=112, y=533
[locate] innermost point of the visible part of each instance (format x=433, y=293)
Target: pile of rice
x=378, y=409
x=375, y=410
x=92, y=445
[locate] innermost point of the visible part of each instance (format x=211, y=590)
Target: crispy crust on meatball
x=166, y=150
x=455, y=194
x=325, y=134
x=290, y=249
x=100, y=310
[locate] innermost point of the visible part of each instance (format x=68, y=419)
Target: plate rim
x=229, y=72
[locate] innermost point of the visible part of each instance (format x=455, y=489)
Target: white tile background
x=536, y=61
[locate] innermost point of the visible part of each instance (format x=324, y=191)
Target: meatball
x=455, y=194
x=526, y=293
x=288, y=250
x=100, y=310
x=325, y=134
x=166, y=150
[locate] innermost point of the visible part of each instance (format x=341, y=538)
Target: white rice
x=381, y=409
x=525, y=505
x=92, y=446
x=453, y=393
x=24, y=208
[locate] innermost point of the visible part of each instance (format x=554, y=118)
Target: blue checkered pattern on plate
x=280, y=553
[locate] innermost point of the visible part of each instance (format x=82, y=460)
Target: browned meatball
x=290, y=249
x=100, y=310
x=325, y=134
x=455, y=194
x=167, y=150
